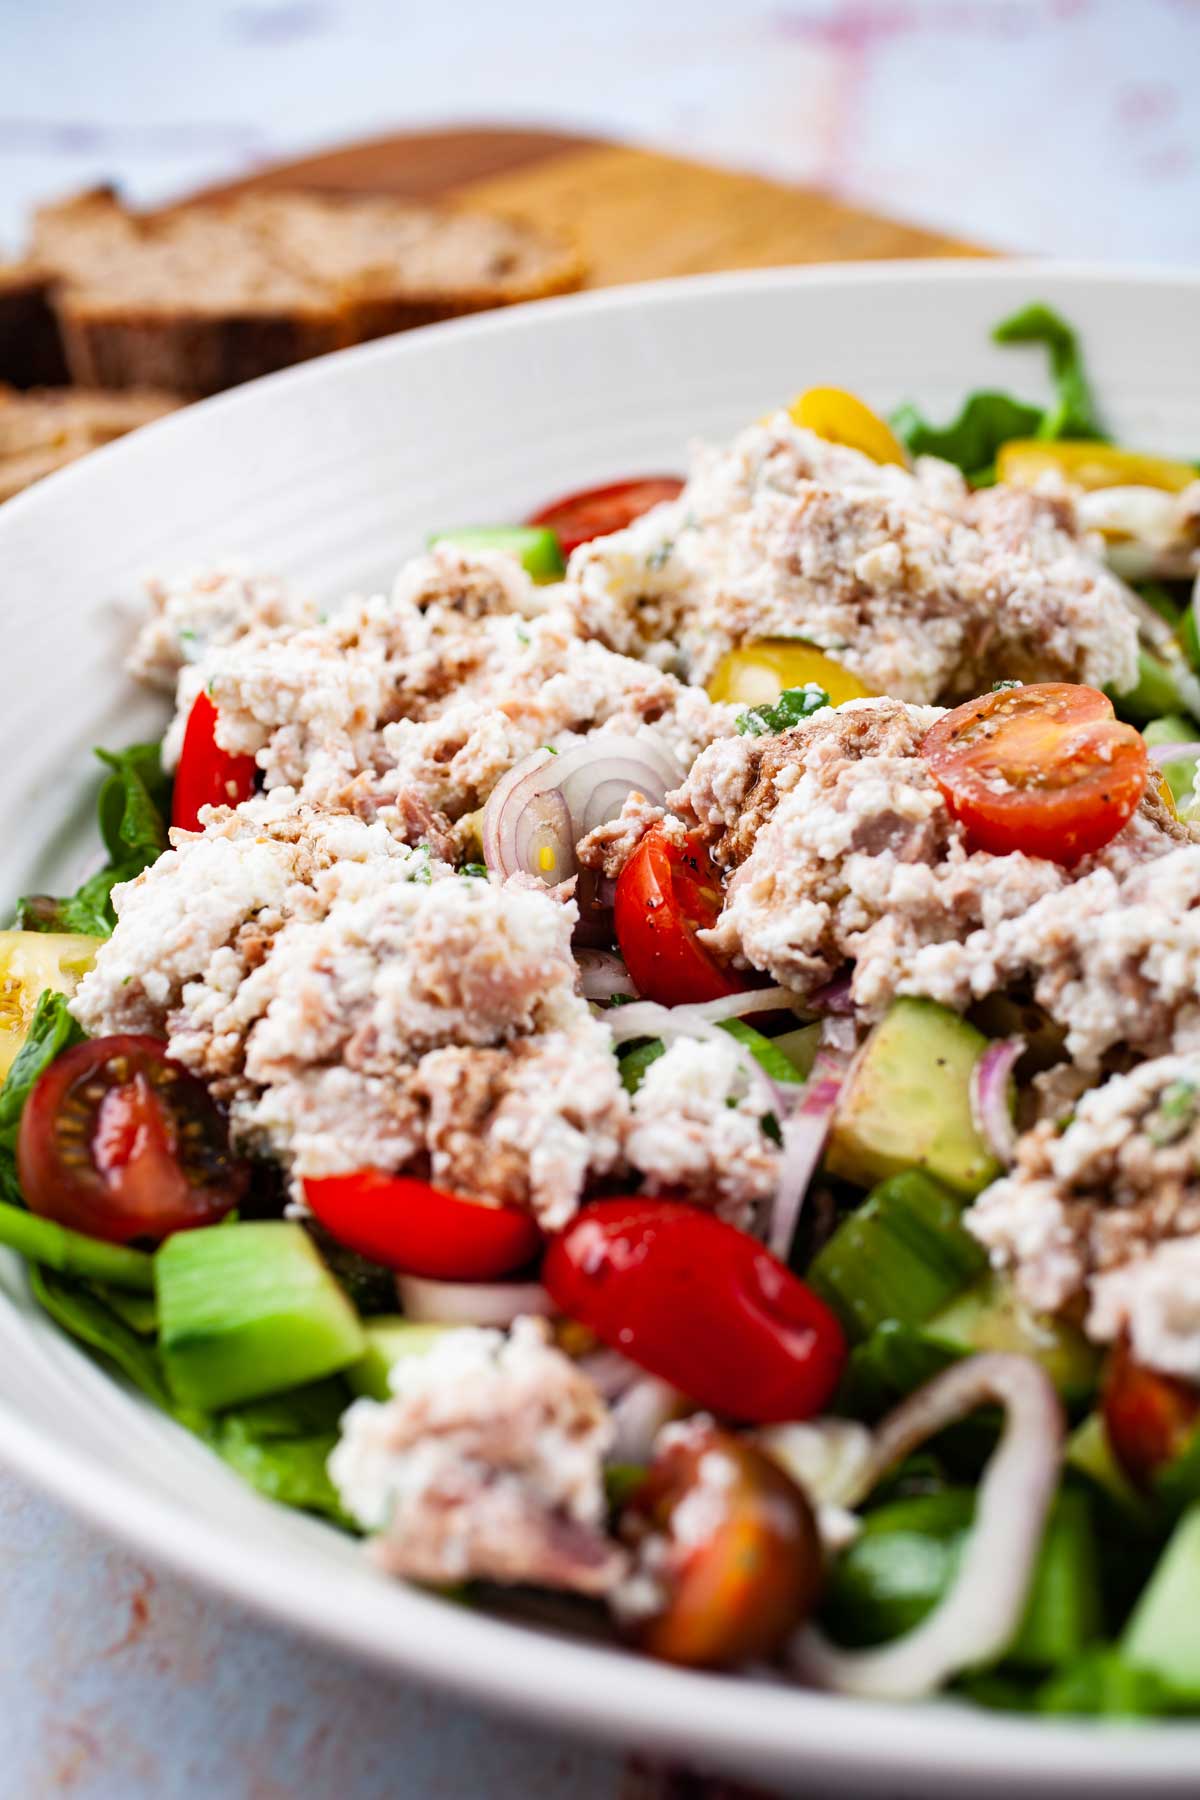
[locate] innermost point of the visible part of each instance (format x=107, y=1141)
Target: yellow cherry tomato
x=755, y=674
x=31, y=961
x=1025, y=460
x=841, y=418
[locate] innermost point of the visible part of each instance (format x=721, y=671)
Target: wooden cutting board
x=635, y=214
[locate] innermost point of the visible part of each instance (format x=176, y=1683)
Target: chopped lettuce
x=989, y=419
x=134, y=807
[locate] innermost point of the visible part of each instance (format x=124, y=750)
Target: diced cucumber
x=535, y=547
x=1088, y=1450
x=901, y=1256
x=907, y=1102
x=1063, y=1615
x=1165, y=684
x=1164, y=1632
x=988, y=1316
x=800, y=1047
x=390, y=1339
x=249, y=1310
x=767, y=1052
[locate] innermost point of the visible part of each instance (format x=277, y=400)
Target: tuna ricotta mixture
x=563, y=1049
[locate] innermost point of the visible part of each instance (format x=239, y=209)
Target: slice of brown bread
x=202, y=297
x=44, y=429
x=31, y=352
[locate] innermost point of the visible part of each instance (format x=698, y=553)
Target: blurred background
x=1063, y=127
x=1070, y=127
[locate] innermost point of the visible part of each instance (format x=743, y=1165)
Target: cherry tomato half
x=409, y=1225
x=119, y=1141
x=1046, y=769
x=1149, y=1418
x=596, y=512
x=700, y=1304
x=668, y=891
x=736, y=1593
x=208, y=775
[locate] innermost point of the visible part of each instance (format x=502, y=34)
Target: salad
x=659, y=1062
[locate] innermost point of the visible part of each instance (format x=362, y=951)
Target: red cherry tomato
x=737, y=1592
x=595, y=512
x=208, y=775
x=119, y=1141
x=1149, y=1418
x=1047, y=769
x=667, y=892
x=409, y=1225
x=699, y=1304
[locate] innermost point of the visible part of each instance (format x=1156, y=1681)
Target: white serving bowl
x=331, y=474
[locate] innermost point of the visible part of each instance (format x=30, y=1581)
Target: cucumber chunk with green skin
x=535, y=547
x=1165, y=684
x=1089, y=1451
x=249, y=1310
x=989, y=1316
x=390, y=1339
x=906, y=1103
x=901, y=1257
x=1163, y=1634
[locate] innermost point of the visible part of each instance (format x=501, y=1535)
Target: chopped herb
x=1001, y=687
x=523, y=637
x=1175, y=1113
x=660, y=554
x=792, y=706
x=477, y=871
x=550, y=748
x=423, y=872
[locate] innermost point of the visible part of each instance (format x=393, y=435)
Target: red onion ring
x=602, y=975
x=640, y=1414
x=991, y=1097
x=835, y=996
x=804, y=1131
x=1165, y=753
x=976, y=1619
x=431, y=1302
x=537, y=813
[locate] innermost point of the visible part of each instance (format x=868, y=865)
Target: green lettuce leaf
x=134, y=807
x=989, y=419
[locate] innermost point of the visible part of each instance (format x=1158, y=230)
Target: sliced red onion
x=640, y=1414
x=835, y=997
x=537, y=813
x=432, y=1302
x=1165, y=753
x=804, y=1131
x=602, y=975
x=976, y=1619
x=647, y=1019
x=610, y=1373
x=753, y=1000
x=991, y=1097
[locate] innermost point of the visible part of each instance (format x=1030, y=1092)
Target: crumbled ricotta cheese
x=486, y=1463
x=697, y=1131
x=926, y=591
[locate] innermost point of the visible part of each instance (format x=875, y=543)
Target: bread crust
x=295, y=276
x=31, y=352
